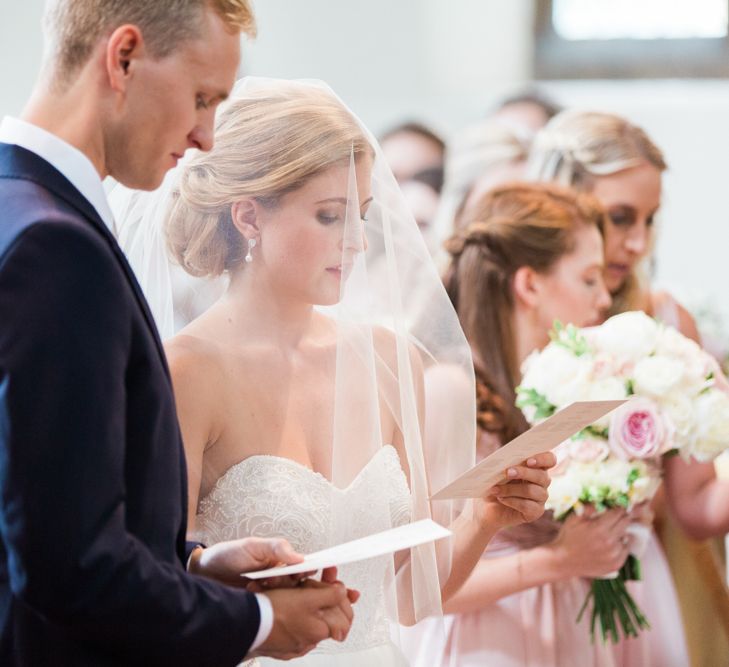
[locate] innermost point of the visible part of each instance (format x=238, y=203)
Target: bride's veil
x=400, y=353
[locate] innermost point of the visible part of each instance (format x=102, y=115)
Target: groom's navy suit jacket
x=92, y=470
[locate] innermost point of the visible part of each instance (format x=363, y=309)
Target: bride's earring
x=251, y=245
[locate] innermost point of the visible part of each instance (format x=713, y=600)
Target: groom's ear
x=244, y=213
x=124, y=46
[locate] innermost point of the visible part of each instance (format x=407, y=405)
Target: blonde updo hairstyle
x=267, y=144
x=576, y=147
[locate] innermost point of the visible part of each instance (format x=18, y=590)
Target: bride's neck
x=257, y=311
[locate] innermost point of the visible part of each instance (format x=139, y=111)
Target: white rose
x=697, y=364
x=672, y=343
x=679, y=409
x=564, y=494
x=712, y=421
x=614, y=475
x=627, y=337
x=657, y=376
x=606, y=389
x=558, y=375
x=530, y=413
x=645, y=487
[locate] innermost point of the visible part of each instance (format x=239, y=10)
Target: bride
x=303, y=393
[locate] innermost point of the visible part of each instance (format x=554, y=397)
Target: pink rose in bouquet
x=638, y=430
x=589, y=450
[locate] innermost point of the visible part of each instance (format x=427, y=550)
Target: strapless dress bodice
x=270, y=496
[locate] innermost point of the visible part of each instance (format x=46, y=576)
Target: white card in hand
x=540, y=438
x=379, y=544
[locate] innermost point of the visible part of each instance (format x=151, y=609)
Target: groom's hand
x=225, y=561
x=306, y=615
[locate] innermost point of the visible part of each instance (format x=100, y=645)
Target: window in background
x=631, y=38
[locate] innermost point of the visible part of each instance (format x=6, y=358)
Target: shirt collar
x=70, y=161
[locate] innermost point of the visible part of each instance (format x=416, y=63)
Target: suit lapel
x=17, y=162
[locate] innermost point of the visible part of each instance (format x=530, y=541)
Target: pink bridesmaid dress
x=534, y=628
x=538, y=627
x=664, y=645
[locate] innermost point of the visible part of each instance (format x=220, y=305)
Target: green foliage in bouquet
x=570, y=338
x=531, y=397
x=613, y=606
x=605, y=497
x=592, y=431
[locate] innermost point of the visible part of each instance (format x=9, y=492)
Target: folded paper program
x=378, y=544
x=541, y=438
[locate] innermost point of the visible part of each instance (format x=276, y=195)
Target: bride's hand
x=225, y=561
x=520, y=497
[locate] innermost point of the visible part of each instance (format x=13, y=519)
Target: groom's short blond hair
x=73, y=27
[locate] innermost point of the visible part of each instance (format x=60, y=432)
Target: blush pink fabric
x=537, y=627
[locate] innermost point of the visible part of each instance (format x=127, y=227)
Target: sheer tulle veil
x=400, y=354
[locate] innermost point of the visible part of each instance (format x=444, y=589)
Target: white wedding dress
x=270, y=496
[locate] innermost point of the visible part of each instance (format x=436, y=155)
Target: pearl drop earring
x=251, y=245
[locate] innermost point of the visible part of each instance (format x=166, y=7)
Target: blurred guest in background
x=479, y=157
x=416, y=155
x=422, y=193
x=528, y=111
x=411, y=148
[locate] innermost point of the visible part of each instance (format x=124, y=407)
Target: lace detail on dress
x=270, y=496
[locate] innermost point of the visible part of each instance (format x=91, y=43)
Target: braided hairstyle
x=513, y=225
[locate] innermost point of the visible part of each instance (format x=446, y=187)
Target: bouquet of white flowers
x=674, y=406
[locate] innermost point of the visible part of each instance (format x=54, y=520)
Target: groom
x=92, y=473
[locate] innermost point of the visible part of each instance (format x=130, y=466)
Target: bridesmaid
x=618, y=163
x=527, y=255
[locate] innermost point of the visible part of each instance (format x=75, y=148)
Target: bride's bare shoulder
x=386, y=343
x=194, y=359
x=450, y=381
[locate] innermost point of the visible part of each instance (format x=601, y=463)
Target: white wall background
x=445, y=63
x=21, y=47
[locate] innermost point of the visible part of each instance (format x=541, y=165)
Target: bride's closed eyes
x=326, y=218
x=332, y=218
x=335, y=215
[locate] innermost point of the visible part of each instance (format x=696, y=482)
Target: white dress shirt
x=82, y=174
